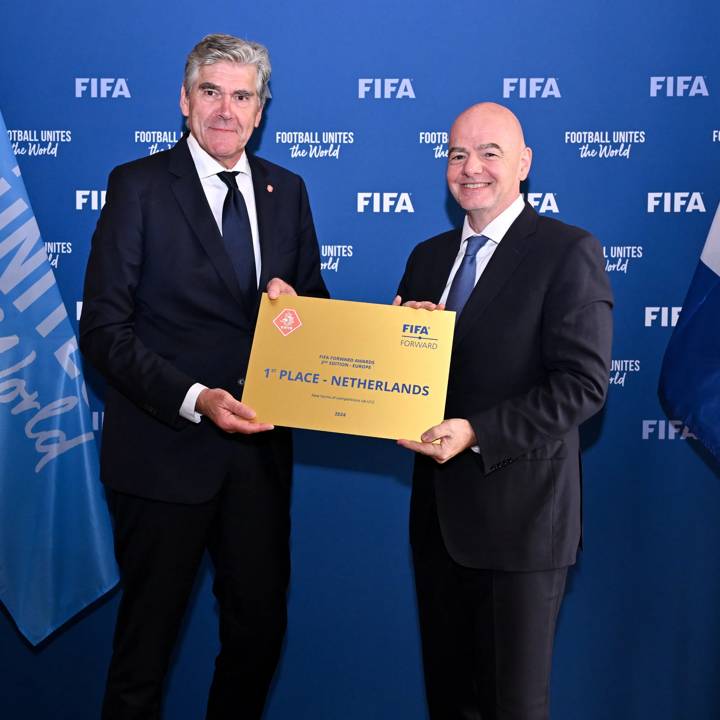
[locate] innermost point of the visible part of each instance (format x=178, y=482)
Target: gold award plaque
x=349, y=367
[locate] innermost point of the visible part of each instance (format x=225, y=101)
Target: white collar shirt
x=495, y=230
x=215, y=190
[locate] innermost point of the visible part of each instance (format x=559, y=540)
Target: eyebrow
x=484, y=146
x=212, y=86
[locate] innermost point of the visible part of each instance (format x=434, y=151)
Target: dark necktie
x=464, y=280
x=237, y=236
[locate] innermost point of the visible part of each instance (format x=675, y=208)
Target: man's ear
x=184, y=104
x=525, y=163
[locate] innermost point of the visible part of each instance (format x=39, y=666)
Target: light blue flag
x=690, y=375
x=55, y=537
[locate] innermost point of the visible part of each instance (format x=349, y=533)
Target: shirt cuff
x=187, y=409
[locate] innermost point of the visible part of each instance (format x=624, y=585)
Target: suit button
x=241, y=381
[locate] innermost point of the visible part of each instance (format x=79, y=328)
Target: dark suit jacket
x=162, y=310
x=530, y=362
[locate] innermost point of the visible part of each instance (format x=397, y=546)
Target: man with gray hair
x=187, y=240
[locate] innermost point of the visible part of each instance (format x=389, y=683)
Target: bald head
x=487, y=160
x=490, y=112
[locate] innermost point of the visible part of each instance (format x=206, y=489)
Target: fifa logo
x=665, y=430
x=101, y=88
x=678, y=86
x=385, y=88
x=384, y=202
x=675, y=202
x=89, y=199
x=663, y=316
x=416, y=329
x=534, y=87
x=543, y=202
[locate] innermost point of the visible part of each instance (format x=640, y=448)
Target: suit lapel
x=442, y=264
x=193, y=203
x=264, y=207
x=505, y=259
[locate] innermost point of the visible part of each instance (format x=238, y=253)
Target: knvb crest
x=287, y=321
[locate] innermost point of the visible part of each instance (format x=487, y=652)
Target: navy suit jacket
x=530, y=362
x=162, y=310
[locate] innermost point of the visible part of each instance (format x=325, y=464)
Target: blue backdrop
x=621, y=105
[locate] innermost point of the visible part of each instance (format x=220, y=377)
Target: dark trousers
x=487, y=636
x=159, y=547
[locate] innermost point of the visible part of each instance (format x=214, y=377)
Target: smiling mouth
x=475, y=186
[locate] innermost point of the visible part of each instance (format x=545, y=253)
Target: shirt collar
x=207, y=166
x=497, y=228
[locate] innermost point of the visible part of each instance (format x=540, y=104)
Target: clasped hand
x=221, y=407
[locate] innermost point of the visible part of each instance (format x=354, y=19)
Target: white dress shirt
x=495, y=230
x=215, y=192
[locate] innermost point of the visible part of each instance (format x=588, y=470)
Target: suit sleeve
x=576, y=339
x=404, y=288
x=107, y=328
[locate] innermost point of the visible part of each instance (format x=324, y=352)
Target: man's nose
x=225, y=101
x=473, y=165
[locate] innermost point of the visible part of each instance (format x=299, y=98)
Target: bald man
x=495, y=511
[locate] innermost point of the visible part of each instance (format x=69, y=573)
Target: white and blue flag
x=55, y=537
x=690, y=375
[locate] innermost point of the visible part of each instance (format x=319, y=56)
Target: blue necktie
x=464, y=280
x=237, y=237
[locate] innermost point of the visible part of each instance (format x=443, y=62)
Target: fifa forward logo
x=101, y=88
x=384, y=202
x=678, y=86
x=534, y=87
x=385, y=88
x=417, y=337
x=675, y=202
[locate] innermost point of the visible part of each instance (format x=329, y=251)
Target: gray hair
x=227, y=48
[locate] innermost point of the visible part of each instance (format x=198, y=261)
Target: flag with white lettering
x=55, y=537
x=690, y=375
